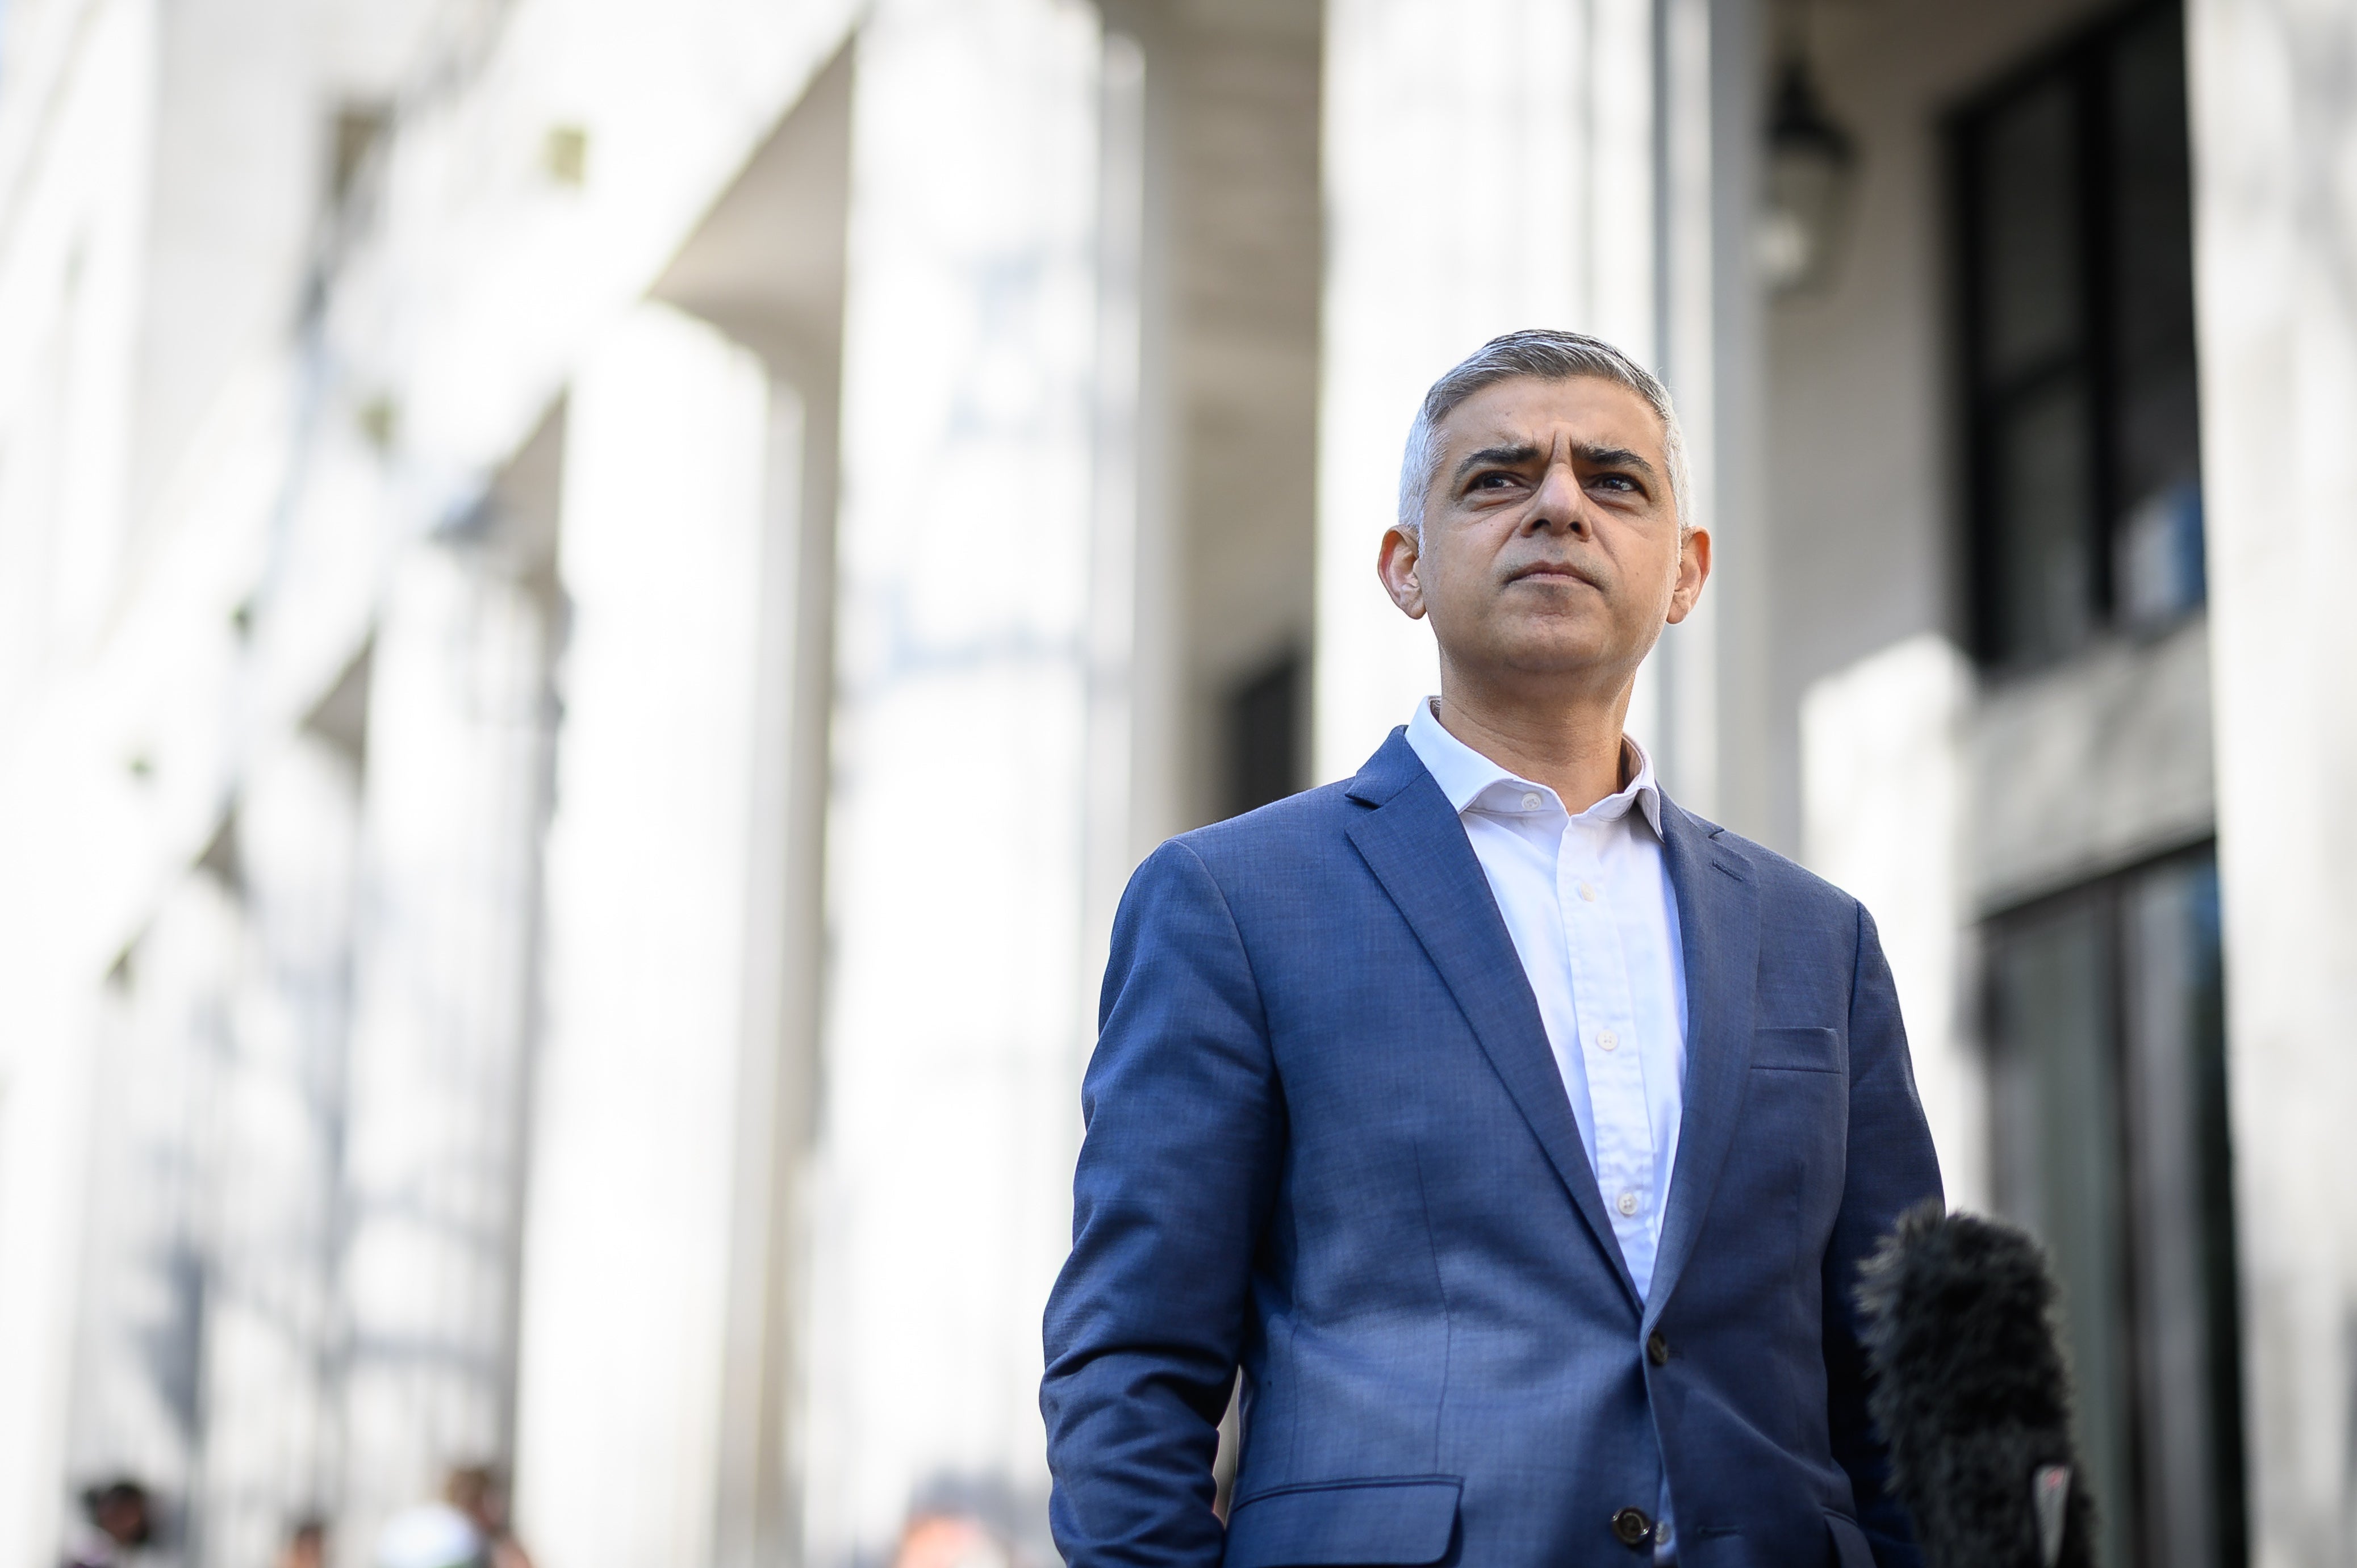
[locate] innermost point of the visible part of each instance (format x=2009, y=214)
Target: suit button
x=1632, y=1528
x=1657, y=1350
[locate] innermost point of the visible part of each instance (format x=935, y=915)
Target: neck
x=1573, y=747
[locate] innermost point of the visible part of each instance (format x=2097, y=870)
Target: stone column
x=457, y=792
x=269, y=1210
x=958, y=827
x=652, y=872
x=1489, y=166
x=2274, y=157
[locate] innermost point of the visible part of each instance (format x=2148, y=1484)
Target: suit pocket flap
x=1797, y=1049
x=1407, y=1521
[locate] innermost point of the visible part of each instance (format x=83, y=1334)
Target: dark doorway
x=1264, y=716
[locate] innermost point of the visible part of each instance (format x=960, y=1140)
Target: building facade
x=596, y=599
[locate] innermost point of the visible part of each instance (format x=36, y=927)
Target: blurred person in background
x=431, y=1535
x=306, y=1545
x=119, y=1519
x=949, y=1540
x=481, y=1493
x=1517, y=1133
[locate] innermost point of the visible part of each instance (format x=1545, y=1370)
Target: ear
x=1693, y=570
x=1396, y=565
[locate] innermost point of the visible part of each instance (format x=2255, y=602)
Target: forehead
x=1526, y=409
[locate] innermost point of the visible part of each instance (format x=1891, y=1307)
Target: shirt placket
x=1609, y=1051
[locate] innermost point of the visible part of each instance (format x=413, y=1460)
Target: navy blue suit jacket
x=1327, y=1144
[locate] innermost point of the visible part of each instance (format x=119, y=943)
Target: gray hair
x=1547, y=355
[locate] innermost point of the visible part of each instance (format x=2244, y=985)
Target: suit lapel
x=1417, y=850
x=1719, y=921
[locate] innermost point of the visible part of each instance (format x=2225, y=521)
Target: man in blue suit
x=1517, y=1133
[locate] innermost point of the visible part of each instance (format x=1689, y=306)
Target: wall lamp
x=1810, y=176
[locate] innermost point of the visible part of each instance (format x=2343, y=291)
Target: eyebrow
x=1513, y=457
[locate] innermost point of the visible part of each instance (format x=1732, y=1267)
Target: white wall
x=2275, y=145
x=247, y=92
x=74, y=122
x=2092, y=766
x=1885, y=750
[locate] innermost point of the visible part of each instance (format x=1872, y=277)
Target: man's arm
x=1891, y=1168
x=1176, y=1173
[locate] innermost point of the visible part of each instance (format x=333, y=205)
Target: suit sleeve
x=1891, y=1168
x=1176, y=1174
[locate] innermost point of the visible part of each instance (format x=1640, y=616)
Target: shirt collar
x=1464, y=773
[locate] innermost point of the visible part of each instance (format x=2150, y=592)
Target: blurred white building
x=598, y=596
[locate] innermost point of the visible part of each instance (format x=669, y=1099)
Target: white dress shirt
x=1588, y=904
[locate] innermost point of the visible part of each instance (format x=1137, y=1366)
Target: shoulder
x=1789, y=892
x=1281, y=850
x=1290, y=826
x=1293, y=831
x=1308, y=830
x=1237, y=886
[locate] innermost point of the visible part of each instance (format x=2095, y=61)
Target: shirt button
x=1587, y=891
x=1606, y=1040
x=1628, y=1203
x=1531, y=802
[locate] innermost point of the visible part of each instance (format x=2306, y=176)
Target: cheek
x=1659, y=591
x=1451, y=580
x=1454, y=614
x=1648, y=578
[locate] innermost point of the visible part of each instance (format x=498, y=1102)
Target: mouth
x=1550, y=572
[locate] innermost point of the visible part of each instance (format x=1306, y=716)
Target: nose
x=1559, y=505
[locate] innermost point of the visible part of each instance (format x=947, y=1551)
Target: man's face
x=1551, y=549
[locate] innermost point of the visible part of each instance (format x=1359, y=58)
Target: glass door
x=2108, y=1066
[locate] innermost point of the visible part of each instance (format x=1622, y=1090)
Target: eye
x=1619, y=482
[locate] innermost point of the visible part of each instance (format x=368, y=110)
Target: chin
x=1563, y=656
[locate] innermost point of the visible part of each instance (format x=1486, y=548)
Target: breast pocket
x=1797, y=1049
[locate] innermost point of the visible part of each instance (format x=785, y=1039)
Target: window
x=2075, y=213
x=2110, y=1076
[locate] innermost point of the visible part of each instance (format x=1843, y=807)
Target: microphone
x=1971, y=1391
